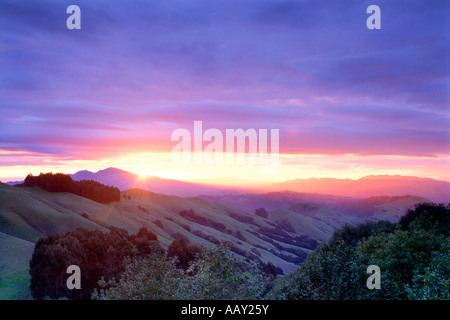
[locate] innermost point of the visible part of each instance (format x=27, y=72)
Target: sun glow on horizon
x=291, y=166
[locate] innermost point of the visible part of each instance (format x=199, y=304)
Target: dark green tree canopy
x=96, y=253
x=60, y=182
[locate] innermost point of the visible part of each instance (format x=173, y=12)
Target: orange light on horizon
x=292, y=166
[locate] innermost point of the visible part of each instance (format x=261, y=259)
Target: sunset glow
x=305, y=166
x=348, y=101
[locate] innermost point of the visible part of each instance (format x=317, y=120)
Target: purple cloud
x=137, y=70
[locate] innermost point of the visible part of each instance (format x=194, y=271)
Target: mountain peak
x=83, y=171
x=112, y=170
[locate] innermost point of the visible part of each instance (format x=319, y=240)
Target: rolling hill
x=371, y=208
x=15, y=255
x=31, y=213
x=272, y=200
x=295, y=224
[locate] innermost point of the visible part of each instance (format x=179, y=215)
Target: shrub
x=241, y=218
x=183, y=252
x=152, y=278
x=262, y=213
x=215, y=274
x=218, y=275
x=95, y=252
x=433, y=282
x=412, y=255
x=158, y=223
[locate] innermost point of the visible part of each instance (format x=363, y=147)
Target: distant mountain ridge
x=383, y=185
x=125, y=180
x=380, y=185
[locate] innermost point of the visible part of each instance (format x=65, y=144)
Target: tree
x=428, y=214
x=400, y=255
x=412, y=256
x=433, y=282
x=330, y=272
x=214, y=274
x=185, y=253
x=60, y=182
x=351, y=235
x=262, y=213
x=96, y=253
x=152, y=278
x=270, y=270
x=217, y=275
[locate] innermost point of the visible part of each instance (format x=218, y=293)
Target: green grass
x=15, y=255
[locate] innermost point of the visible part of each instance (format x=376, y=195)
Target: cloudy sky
x=348, y=101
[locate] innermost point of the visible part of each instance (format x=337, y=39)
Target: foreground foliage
x=412, y=255
x=96, y=253
x=215, y=274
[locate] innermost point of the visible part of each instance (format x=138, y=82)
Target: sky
x=347, y=101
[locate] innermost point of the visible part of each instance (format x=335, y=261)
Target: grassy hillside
x=273, y=200
x=380, y=207
x=15, y=255
x=341, y=209
x=312, y=219
x=284, y=238
x=31, y=213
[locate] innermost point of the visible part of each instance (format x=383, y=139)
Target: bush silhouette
x=60, y=182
